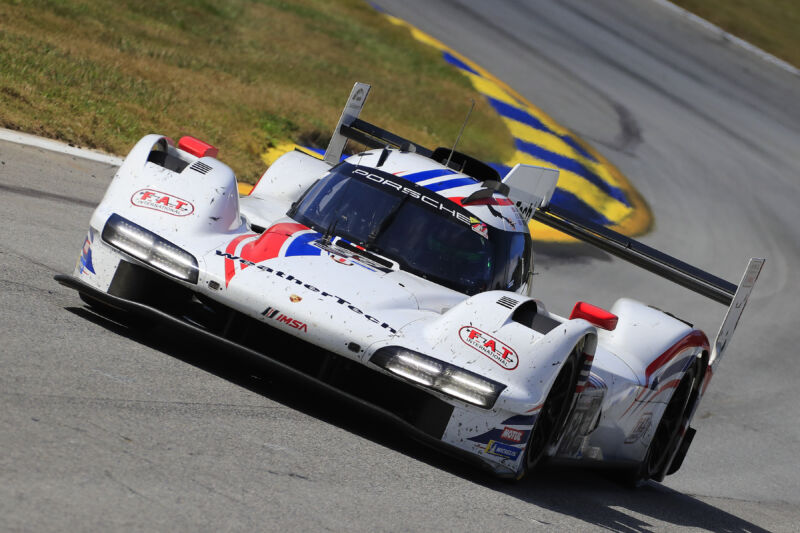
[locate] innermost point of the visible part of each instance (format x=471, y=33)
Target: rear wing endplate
x=735, y=309
x=358, y=96
x=371, y=136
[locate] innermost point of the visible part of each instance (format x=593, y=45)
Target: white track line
x=730, y=38
x=57, y=146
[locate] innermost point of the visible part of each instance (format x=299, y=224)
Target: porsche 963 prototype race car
x=403, y=277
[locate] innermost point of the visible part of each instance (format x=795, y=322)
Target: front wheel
x=554, y=412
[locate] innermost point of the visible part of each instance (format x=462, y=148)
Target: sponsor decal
x=294, y=298
x=273, y=314
x=343, y=256
x=85, y=260
x=419, y=196
x=358, y=98
x=512, y=435
x=505, y=451
x=507, y=433
x=641, y=428
x=161, y=201
x=492, y=348
x=479, y=227
x=339, y=259
x=290, y=278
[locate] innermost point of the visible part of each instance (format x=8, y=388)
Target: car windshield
x=423, y=232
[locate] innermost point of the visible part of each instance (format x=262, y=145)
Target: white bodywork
x=253, y=259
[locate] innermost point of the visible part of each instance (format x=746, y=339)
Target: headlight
x=150, y=248
x=437, y=375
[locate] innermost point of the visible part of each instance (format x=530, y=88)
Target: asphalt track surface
x=107, y=428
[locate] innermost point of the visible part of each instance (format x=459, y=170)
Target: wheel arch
x=559, y=402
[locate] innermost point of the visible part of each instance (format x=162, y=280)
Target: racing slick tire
x=553, y=415
x=667, y=436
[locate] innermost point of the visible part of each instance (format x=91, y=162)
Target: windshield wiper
x=385, y=223
x=327, y=237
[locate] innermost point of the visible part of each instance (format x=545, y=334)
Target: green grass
x=772, y=25
x=240, y=74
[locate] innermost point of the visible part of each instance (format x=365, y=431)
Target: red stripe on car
x=695, y=339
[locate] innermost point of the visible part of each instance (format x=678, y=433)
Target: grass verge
x=241, y=74
x=772, y=25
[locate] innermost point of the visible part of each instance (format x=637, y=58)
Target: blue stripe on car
x=301, y=246
x=450, y=184
x=417, y=177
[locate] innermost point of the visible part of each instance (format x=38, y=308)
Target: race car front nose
x=439, y=376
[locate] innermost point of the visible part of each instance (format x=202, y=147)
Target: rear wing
x=733, y=296
x=531, y=189
x=639, y=254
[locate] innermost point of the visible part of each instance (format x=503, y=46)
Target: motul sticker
x=492, y=348
x=512, y=435
x=161, y=201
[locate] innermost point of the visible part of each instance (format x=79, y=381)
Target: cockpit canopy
x=425, y=233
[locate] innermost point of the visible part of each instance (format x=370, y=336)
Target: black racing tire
x=667, y=436
x=553, y=414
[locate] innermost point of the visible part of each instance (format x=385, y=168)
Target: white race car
x=401, y=277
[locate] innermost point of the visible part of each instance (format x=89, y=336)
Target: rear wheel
x=553, y=414
x=668, y=433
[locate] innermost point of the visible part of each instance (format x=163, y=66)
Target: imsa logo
x=274, y=314
x=492, y=348
x=161, y=201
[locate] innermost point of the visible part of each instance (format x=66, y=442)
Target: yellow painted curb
x=633, y=219
x=542, y=137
